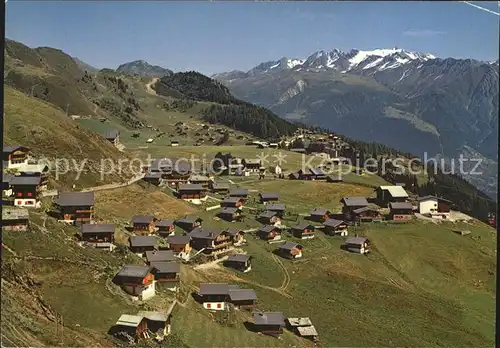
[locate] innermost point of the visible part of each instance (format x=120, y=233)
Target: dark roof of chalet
x=134, y=271
x=242, y=294
x=319, y=211
x=295, y=175
x=354, y=201
x=188, y=219
x=267, y=228
x=139, y=241
x=142, y=219
x=164, y=223
x=97, y=228
x=113, y=134
x=317, y=171
x=363, y=209
x=267, y=214
x=160, y=255
x=231, y=200
x=178, y=239
x=333, y=222
x=269, y=318
x=269, y=195
x=275, y=207
x=25, y=180
x=12, y=148
x=220, y=186
x=190, y=187
x=72, y=199
x=229, y=210
x=289, y=246
x=166, y=267
x=239, y=258
x=234, y=231
x=204, y=233
x=152, y=175
x=238, y=193
x=216, y=288
x=303, y=226
x=425, y=198
x=400, y=205
x=356, y=240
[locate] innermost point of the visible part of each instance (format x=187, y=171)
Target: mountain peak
x=143, y=68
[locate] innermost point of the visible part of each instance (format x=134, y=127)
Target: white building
x=434, y=206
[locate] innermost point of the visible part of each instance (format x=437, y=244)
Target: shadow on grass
x=197, y=297
x=250, y=326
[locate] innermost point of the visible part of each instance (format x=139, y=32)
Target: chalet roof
x=197, y=177
x=190, y=187
x=166, y=267
x=275, y=207
x=333, y=223
x=142, y=219
x=363, y=209
x=303, y=226
x=319, y=211
x=129, y=320
x=134, y=271
x=229, y=210
x=25, y=180
x=12, y=148
x=231, y=200
x=395, y=191
x=234, y=231
x=306, y=331
x=160, y=255
x=178, y=240
x=356, y=240
x=112, y=134
x=267, y=214
x=252, y=161
x=317, y=171
x=427, y=198
x=74, y=199
x=289, y=246
x=269, y=195
x=294, y=175
x=204, y=233
x=152, y=175
x=220, y=186
x=267, y=228
x=188, y=219
x=400, y=206
x=354, y=201
x=33, y=168
x=238, y=193
x=12, y=213
x=239, y=258
x=299, y=322
x=142, y=241
x=269, y=318
x=98, y=228
x=164, y=223
x=153, y=316
x=242, y=294
x=216, y=288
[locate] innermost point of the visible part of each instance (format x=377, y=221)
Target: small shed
x=290, y=250
x=241, y=262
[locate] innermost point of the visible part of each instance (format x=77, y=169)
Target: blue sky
x=219, y=36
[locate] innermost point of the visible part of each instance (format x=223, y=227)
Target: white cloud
x=423, y=33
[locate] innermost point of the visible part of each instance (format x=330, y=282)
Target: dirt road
x=149, y=89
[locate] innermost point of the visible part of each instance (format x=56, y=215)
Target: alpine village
x=266, y=241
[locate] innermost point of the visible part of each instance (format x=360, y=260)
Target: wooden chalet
x=179, y=244
x=189, y=222
x=15, y=156
x=202, y=180
x=333, y=227
x=14, y=219
x=214, y=296
x=76, y=207
x=113, y=137
x=99, y=235
x=269, y=233
x=141, y=244
x=303, y=327
x=160, y=256
x=240, y=193
x=366, y=214
x=191, y=191
x=279, y=209
x=390, y=194
x=266, y=197
x=399, y=211
x=303, y=231
x=319, y=215
x=137, y=281
x=242, y=298
x=240, y=262
x=25, y=190
x=135, y=326
x=351, y=203
x=436, y=207
x=178, y=172
x=153, y=178
x=210, y=241
x=357, y=245
x=232, y=202
x=269, y=323
x=268, y=217
x=252, y=165
x=230, y=214
x=290, y=250
x=294, y=176
x=237, y=234
x=222, y=188
x=159, y=322
x=35, y=170
x=143, y=225
x=317, y=174
x=334, y=178
x=165, y=227
x=167, y=273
